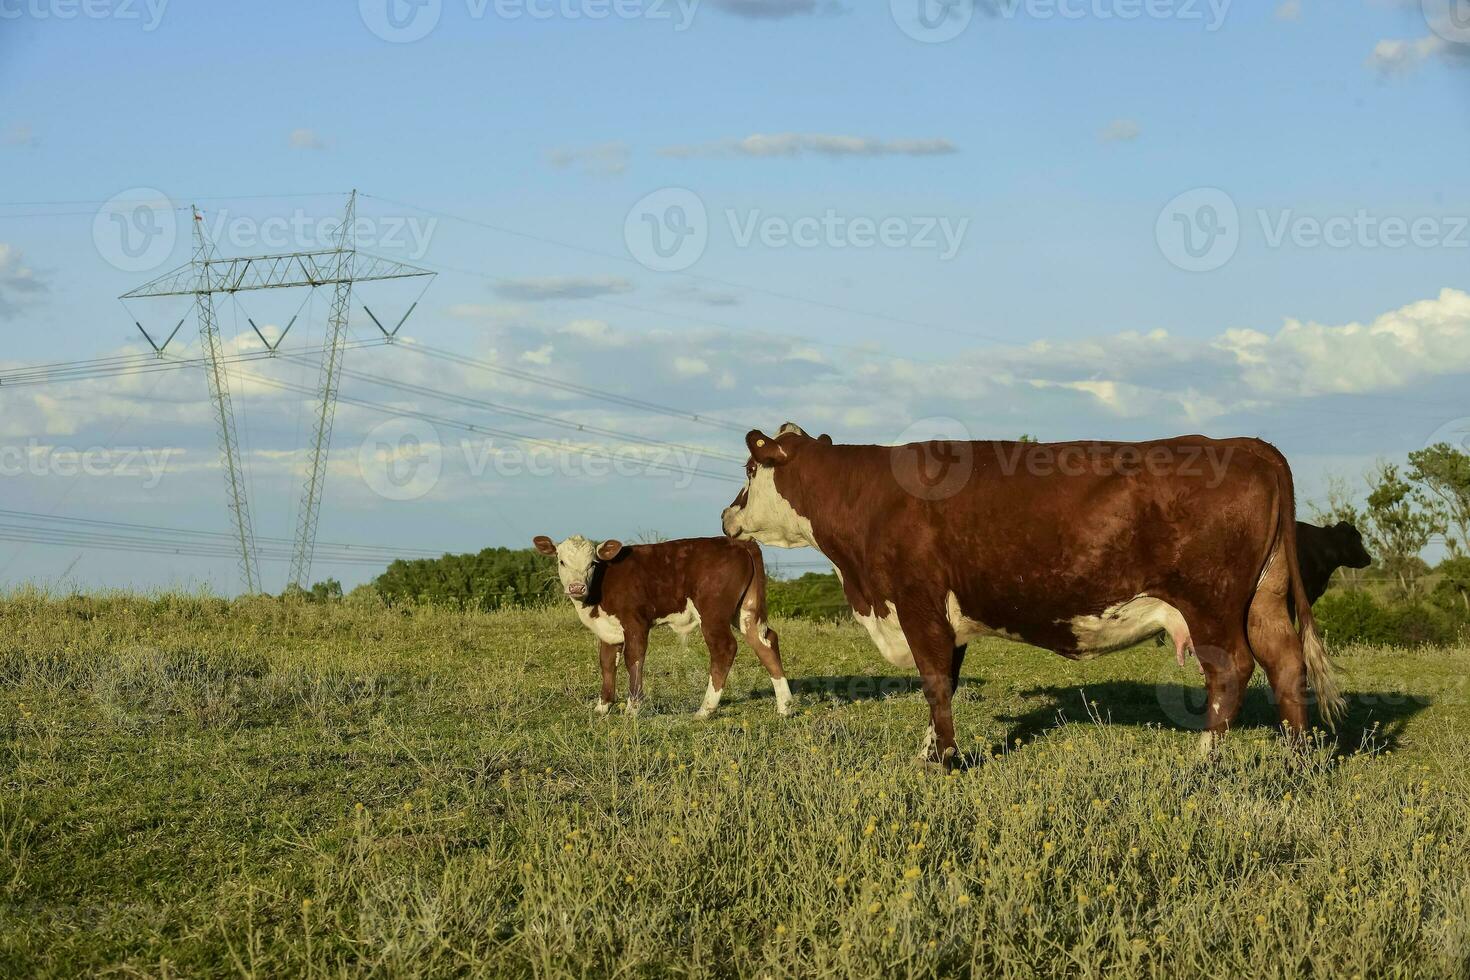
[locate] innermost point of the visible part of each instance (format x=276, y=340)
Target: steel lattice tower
x=339, y=267
x=316, y=461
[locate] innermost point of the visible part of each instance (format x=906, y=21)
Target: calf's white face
x=576, y=557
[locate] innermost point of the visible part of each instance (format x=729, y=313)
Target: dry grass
x=189, y=786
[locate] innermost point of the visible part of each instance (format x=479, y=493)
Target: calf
x=1323, y=550
x=621, y=591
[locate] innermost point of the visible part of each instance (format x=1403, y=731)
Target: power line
x=574, y=387
x=356, y=549
x=572, y=424
x=479, y=429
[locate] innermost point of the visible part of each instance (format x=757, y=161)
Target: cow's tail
x=1320, y=672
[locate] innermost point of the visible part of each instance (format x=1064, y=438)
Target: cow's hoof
x=785, y=710
x=603, y=707
x=703, y=714
x=633, y=708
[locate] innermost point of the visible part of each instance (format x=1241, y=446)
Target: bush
x=813, y=596
x=496, y=578
x=1355, y=616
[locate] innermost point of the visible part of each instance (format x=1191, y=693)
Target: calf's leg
x=721, y=643
x=635, y=645
x=766, y=644
x=607, y=655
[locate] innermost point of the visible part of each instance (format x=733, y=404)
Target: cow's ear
x=609, y=550
x=824, y=439
x=763, y=449
x=544, y=545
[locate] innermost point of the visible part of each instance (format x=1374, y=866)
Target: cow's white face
x=759, y=512
x=576, y=559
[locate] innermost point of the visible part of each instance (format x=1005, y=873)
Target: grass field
x=195, y=787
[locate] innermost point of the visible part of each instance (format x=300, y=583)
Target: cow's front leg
x=607, y=655
x=931, y=640
x=635, y=644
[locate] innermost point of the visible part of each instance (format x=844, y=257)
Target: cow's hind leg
x=931, y=640
x=767, y=646
x=1278, y=648
x=954, y=669
x=721, y=643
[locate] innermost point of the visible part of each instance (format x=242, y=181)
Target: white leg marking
x=603, y=707
x=711, y=701
x=634, y=706
x=783, y=695
x=1207, y=743
x=926, y=749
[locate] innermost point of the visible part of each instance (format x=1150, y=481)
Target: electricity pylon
x=208, y=274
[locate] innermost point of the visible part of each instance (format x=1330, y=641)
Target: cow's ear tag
x=759, y=443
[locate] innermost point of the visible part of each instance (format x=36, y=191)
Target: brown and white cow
x=1323, y=550
x=620, y=592
x=1081, y=548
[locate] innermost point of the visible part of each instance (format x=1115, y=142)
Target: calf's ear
x=544, y=544
x=609, y=550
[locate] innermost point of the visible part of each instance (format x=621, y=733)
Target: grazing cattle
x=1323, y=550
x=622, y=591
x=1080, y=547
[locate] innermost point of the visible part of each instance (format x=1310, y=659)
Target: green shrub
x=1355, y=616
x=812, y=596
x=496, y=578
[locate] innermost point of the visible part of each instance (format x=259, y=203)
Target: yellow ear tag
x=759, y=443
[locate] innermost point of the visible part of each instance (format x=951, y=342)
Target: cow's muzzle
x=577, y=590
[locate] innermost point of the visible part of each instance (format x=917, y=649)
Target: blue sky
x=1053, y=142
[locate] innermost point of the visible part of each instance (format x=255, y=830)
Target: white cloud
x=777, y=9
x=1391, y=58
x=690, y=367
x=1304, y=359
x=18, y=281
x=541, y=356
x=1120, y=131
x=594, y=333
x=306, y=139
x=537, y=290
x=821, y=144
x=601, y=159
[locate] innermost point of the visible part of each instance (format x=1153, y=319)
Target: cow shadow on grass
x=1373, y=717
x=1376, y=718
